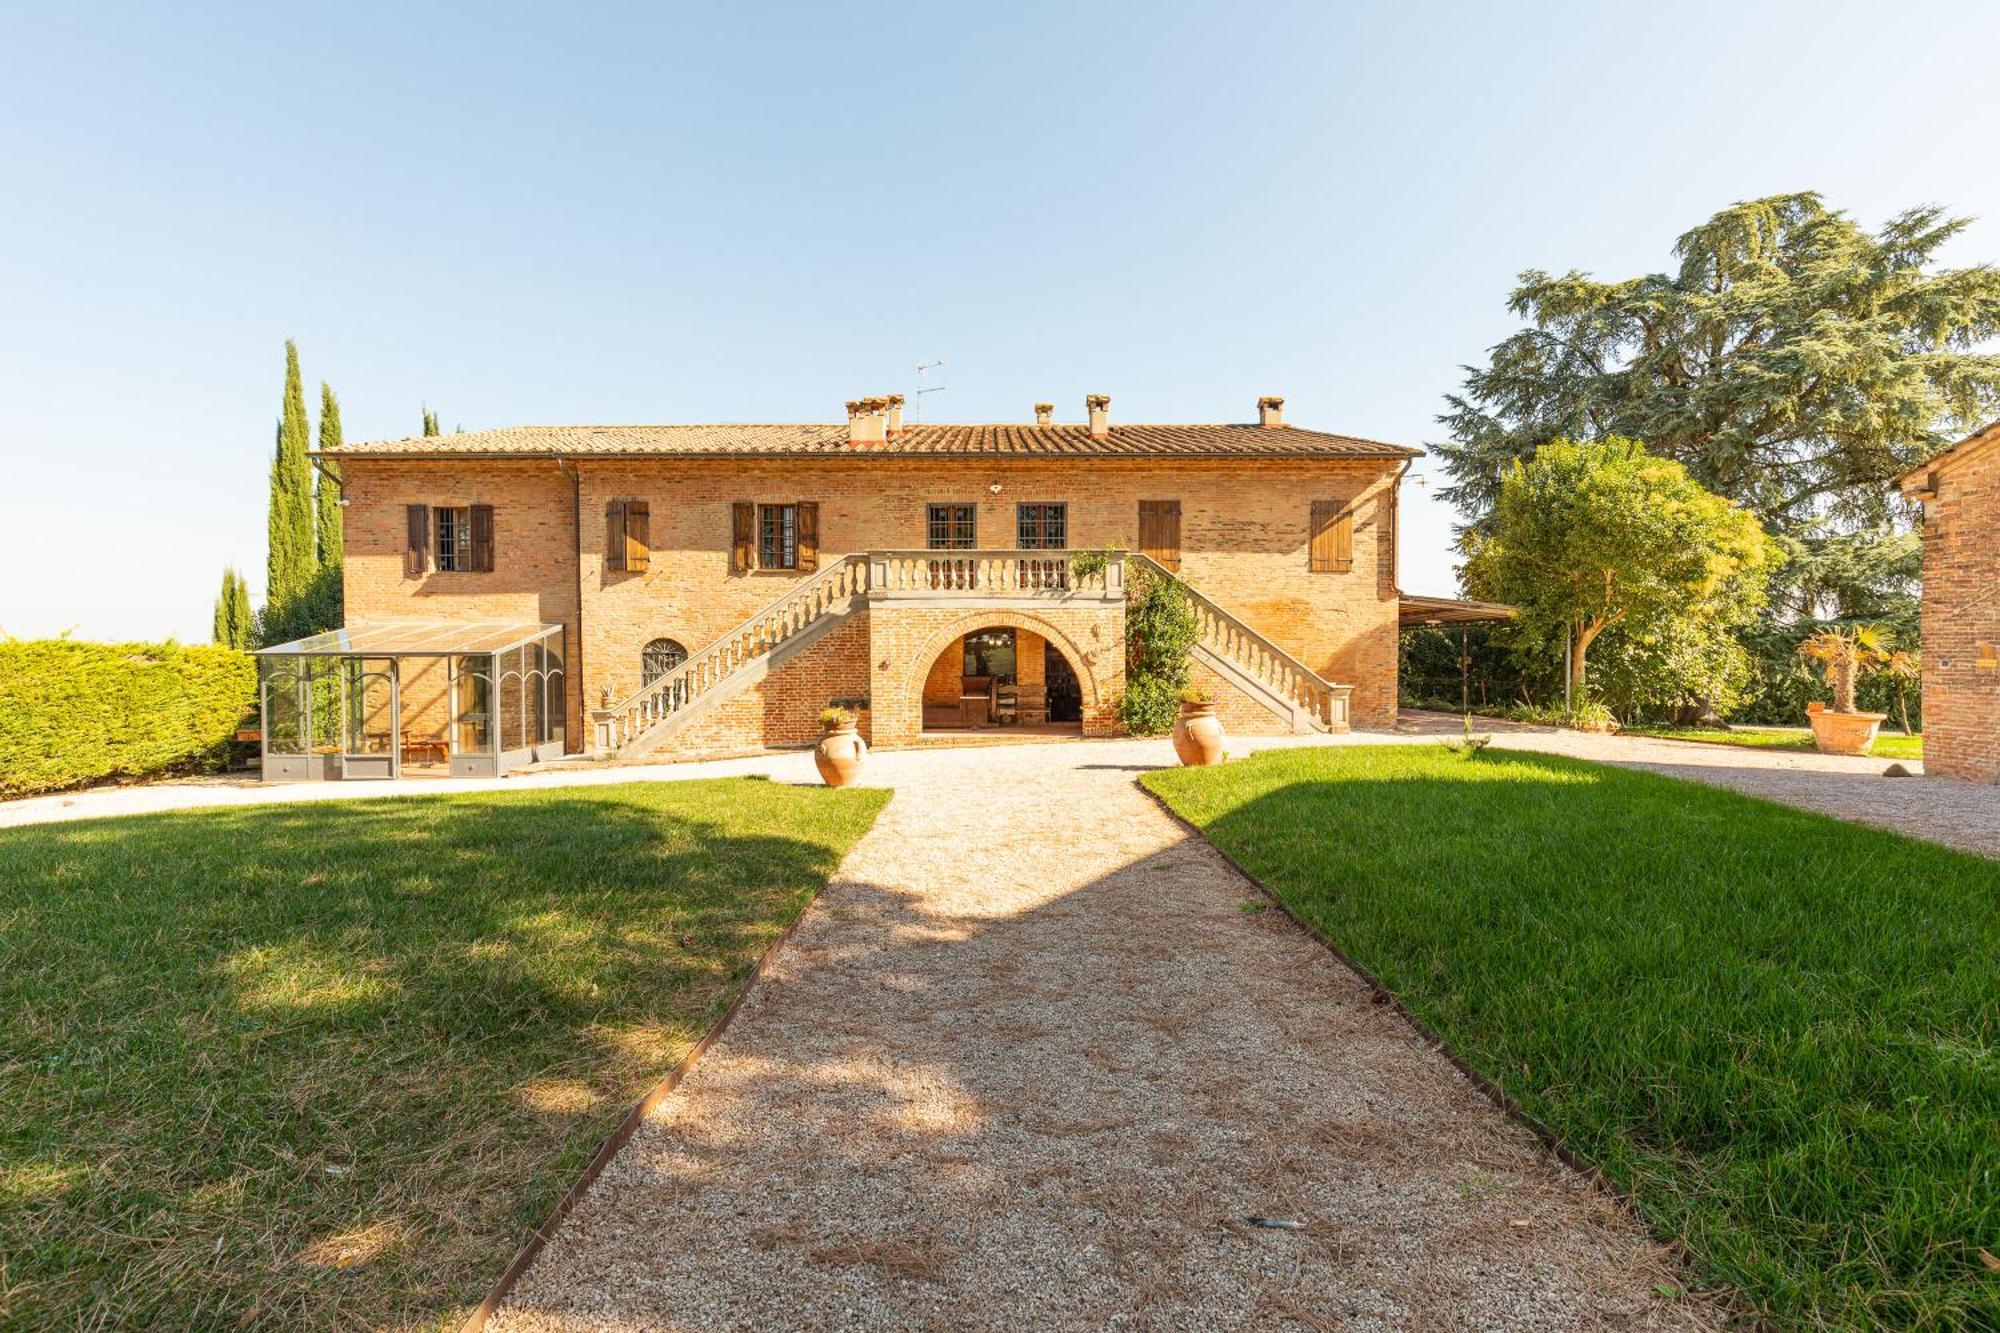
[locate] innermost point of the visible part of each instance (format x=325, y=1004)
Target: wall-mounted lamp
x=995, y=488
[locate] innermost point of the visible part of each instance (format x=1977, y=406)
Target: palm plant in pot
x=1198, y=734
x=1845, y=654
x=840, y=752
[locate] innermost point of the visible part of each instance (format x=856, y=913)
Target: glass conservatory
x=403, y=699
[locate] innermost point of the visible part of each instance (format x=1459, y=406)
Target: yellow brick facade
x=1244, y=534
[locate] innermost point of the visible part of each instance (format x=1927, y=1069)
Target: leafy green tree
x=293, y=557
x=1591, y=536
x=235, y=626
x=430, y=422
x=1792, y=361
x=326, y=494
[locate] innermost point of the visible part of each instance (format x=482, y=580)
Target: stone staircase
x=1255, y=665
x=733, y=663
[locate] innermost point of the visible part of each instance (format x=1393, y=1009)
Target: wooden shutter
x=743, y=536
x=638, y=537
x=614, y=537
x=808, y=535
x=1332, y=546
x=417, y=546
x=1160, y=531
x=482, y=539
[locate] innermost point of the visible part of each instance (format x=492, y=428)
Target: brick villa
x=687, y=590
x=1960, y=491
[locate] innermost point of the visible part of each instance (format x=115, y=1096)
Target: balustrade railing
x=1256, y=656
x=994, y=573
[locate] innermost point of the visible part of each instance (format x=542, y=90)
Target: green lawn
x=1779, y=1032
x=1888, y=744
x=327, y=1064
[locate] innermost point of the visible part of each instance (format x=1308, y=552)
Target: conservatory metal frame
x=323, y=700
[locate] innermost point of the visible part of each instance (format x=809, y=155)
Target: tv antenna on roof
x=917, y=399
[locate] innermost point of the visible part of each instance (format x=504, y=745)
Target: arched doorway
x=1003, y=679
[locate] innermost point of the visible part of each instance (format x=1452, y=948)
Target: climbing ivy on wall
x=1159, y=637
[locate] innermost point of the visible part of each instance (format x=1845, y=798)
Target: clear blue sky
x=737, y=212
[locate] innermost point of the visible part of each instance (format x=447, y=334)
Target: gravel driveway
x=1029, y=1063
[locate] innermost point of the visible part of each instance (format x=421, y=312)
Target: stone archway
x=905, y=642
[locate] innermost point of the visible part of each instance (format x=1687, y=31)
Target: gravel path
x=1029, y=1063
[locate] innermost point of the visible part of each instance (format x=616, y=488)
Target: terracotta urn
x=1198, y=735
x=1843, y=733
x=839, y=754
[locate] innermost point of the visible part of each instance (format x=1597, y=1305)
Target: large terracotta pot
x=839, y=755
x=1843, y=733
x=1198, y=735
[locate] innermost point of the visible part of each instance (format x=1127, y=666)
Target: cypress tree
x=326, y=494
x=293, y=559
x=430, y=422
x=234, y=627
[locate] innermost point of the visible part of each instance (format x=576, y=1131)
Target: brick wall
x=1241, y=714
x=533, y=579
x=784, y=707
x=1244, y=535
x=1961, y=612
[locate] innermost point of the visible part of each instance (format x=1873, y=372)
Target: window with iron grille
x=949, y=527
x=778, y=536
x=1042, y=527
x=659, y=657
x=454, y=538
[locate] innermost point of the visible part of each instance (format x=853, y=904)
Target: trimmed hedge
x=73, y=712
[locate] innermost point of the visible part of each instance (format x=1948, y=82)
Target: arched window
x=659, y=657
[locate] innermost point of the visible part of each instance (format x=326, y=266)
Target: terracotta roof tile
x=831, y=440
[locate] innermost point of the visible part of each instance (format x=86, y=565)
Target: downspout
x=1396, y=524
x=575, y=476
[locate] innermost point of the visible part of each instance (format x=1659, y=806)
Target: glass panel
x=322, y=688
x=371, y=711
x=558, y=708
x=534, y=701
x=778, y=536
x=454, y=538
x=472, y=705
x=284, y=714
x=949, y=527
x=428, y=637
x=1042, y=527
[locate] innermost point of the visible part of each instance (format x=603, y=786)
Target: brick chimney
x=895, y=428
x=1270, y=411
x=1044, y=413
x=1099, y=407
x=865, y=422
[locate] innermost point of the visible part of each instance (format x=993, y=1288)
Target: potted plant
x=840, y=751
x=1845, y=654
x=1197, y=731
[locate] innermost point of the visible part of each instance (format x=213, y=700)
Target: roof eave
x=1388, y=454
x=1918, y=478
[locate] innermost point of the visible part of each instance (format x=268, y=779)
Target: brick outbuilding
x=1960, y=492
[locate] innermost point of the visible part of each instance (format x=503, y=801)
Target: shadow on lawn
x=317, y=1064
